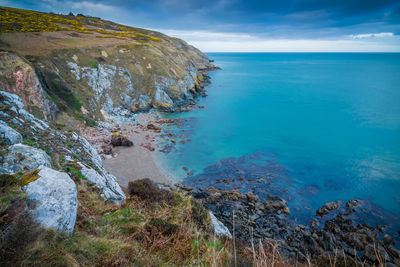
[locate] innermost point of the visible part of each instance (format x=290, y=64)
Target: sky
x=251, y=26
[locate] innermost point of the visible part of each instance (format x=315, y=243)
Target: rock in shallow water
x=24, y=158
x=276, y=204
x=52, y=200
x=328, y=207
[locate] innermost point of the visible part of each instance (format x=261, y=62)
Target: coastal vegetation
x=20, y=20
x=138, y=233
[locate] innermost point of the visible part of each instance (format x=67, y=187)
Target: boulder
x=151, y=126
x=120, y=140
x=161, y=99
x=141, y=104
x=52, y=200
x=276, y=204
x=251, y=197
x=352, y=203
x=22, y=158
x=219, y=228
x=148, y=146
x=328, y=207
x=8, y=134
x=107, y=184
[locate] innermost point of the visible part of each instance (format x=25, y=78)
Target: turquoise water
x=330, y=122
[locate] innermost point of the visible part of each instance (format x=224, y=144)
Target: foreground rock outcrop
x=23, y=158
x=52, y=200
x=66, y=151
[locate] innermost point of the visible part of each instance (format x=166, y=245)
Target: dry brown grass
x=140, y=232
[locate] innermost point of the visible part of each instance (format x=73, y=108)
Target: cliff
x=59, y=206
x=78, y=68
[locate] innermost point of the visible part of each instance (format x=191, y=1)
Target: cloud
x=211, y=41
x=289, y=45
x=85, y=7
x=372, y=35
x=204, y=35
x=221, y=25
x=89, y=6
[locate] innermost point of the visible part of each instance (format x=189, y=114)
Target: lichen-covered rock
x=142, y=103
x=107, y=184
x=219, y=228
x=22, y=158
x=52, y=200
x=9, y=135
x=162, y=100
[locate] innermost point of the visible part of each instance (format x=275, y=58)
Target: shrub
x=148, y=190
x=7, y=180
x=164, y=227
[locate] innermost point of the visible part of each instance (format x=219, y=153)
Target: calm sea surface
x=311, y=127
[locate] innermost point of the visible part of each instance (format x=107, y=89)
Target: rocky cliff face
x=88, y=77
x=18, y=76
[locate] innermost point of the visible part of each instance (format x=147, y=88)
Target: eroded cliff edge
x=89, y=69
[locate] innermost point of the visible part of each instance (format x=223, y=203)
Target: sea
x=309, y=127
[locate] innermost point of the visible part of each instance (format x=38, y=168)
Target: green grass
x=94, y=64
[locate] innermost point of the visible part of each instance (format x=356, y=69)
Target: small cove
x=310, y=127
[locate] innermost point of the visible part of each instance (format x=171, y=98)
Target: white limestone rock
x=8, y=134
x=162, y=99
x=219, y=228
x=52, y=200
x=18, y=107
x=22, y=158
x=104, y=180
x=106, y=183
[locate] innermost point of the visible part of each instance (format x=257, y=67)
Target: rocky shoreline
x=332, y=231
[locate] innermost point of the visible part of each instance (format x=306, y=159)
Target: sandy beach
x=136, y=162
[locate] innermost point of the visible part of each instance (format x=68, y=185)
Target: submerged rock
x=8, y=134
x=52, y=200
x=22, y=158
